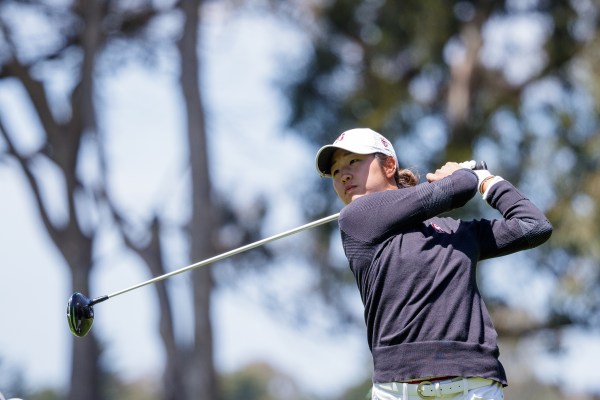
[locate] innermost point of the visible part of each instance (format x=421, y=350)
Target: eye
x=334, y=172
x=354, y=160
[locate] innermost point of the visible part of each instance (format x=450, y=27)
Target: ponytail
x=404, y=177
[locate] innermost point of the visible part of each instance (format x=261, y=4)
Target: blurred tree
x=361, y=391
x=198, y=369
x=505, y=81
x=259, y=381
x=44, y=394
x=82, y=42
x=452, y=79
x=53, y=161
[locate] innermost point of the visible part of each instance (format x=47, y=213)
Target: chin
x=354, y=197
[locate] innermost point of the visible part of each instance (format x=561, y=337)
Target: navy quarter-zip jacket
x=416, y=273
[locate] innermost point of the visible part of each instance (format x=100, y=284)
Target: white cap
x=358, y=141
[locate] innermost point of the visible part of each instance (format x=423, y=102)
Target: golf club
x=80, y=311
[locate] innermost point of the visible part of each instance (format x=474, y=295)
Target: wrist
x=483, y=185
x=489, y=185
x=483, y=175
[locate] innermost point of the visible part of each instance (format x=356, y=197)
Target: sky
x=254, y=156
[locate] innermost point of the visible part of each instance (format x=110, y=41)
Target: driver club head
x=80, y=314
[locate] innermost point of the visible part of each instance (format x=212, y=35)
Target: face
x=355, y=175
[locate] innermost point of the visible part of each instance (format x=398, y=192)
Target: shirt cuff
x=491, y=183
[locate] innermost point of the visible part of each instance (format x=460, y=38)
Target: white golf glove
x=468, y=164
x=483, y=175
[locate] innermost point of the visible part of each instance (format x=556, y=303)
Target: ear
x=390, y=167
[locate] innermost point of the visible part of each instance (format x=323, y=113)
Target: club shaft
x=222, y=256
x=474, y=165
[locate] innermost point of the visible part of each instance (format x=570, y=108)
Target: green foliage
x=448, y=80
x=361, y=391
x=44, y=394
x=259, y=382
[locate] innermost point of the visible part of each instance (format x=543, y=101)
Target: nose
x=345, y=177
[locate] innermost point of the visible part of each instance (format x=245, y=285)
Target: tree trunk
x=200, y=375
x=85, y=374
x=76, y=245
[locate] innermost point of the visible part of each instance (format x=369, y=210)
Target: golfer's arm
x=524, y=226
x=373, y=217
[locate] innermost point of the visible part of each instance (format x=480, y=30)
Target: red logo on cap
x=384, y=142
x=341, y=137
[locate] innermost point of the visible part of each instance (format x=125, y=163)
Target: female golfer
x=429, y=331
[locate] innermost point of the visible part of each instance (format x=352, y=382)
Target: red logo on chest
x=437, y=228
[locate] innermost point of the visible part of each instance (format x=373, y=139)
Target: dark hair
x=404, y=177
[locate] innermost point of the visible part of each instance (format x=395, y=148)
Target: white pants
x=405, y=391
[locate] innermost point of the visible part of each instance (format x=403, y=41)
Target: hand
x=443, y=172
x=484, y=177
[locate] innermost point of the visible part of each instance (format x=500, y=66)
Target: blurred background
x=139, y=136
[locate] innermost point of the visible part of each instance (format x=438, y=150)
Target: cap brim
x=323, y=159
x=325, y=153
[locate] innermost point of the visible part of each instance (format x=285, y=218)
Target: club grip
x=480, y=165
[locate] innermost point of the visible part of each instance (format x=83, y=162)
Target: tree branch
x=23, y=162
